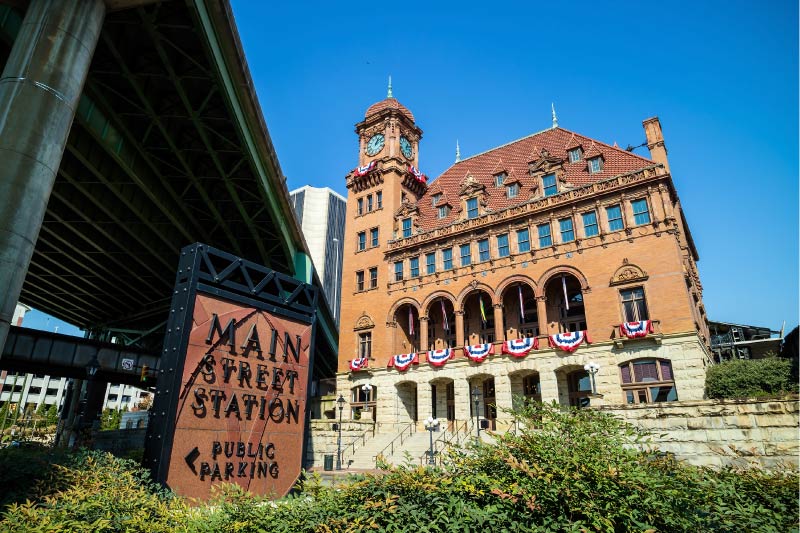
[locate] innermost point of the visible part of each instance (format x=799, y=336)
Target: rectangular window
x=595, y=165
x=435, y=199
x=362, y=240
x=634, y=307
x=414, y=267
x=379, y=199
x=360, y=280
x=447, y=258
x=398, y=271
x=373, y=237
x=443, y=211
x=575, y=155
x=590, y=224
x=502, y=245
x=513, y=190
x=614, y=214
x=364, y=345
x=499, y=179
x=523, y=241
x=369, y=203
x=567, y=232
x=641, y=215
x=373, y=277
x=549, y=185
x=430, y=263
x=544, y=235
x=466, y=255
x=472, y=208
x=483, y=250
x=406, y=227
x=360, y=206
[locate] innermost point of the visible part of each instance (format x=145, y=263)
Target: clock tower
x=382, y=193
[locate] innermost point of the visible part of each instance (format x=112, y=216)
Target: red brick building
x=534, y=248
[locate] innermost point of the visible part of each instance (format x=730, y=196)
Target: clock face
x=405, y=147
x=375, y=144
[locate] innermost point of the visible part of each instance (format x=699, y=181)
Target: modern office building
x=321, y=213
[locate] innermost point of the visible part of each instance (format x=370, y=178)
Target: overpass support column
x=39, y=91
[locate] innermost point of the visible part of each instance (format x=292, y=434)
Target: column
x=499, y=328
x=424, y=399
x=541, y=312
x=39, y=91
x=460, y=329
x=549, y=383
x=503, y=397
x=441, y=401
x=423, y=334
x=462, y=399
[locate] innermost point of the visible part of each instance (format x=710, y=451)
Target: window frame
x=374, y=237
x=499, y=179
x=595, y=161
x=575, y=154
x=430, y=263
x=634, y=390
x=369, y=203
x=398, y=271
x=548, y=236
x=595, y=224
x=646, y=212
x=365, y=344
x=474, y=209
x=546, y=188
x=442, y=211
x=620, y=219
x=360, y=204
x=503, y=245
x=487, y=252
x=361, y=241
x=445, y=260
x=359, y=281
x=565, y=233
x=413, y=267
x=406, y=231
x=514, y=187
x=435, y=199
x=379, y=200
x=468, y=256
x=636, y=308
x=527, y=241
x=373, y=277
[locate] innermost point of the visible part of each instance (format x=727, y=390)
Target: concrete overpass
x=129, y=129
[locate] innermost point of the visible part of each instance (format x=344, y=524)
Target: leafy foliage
x=750, y=378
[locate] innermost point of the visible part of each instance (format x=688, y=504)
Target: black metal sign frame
x=207, y=270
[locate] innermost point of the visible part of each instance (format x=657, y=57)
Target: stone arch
x=398, y=304
x=474, y=286
x=561, y=269
x=517, y=278
x=433, y=296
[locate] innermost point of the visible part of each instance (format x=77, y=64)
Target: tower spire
x=555, y=118
x=389, y=92
x=458, y=152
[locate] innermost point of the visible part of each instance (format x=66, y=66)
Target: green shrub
x=750, y=378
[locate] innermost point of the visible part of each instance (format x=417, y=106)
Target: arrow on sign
x=191, y=458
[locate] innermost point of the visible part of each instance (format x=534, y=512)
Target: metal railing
x=448, y=439
x=351, y=446
x=411, y=428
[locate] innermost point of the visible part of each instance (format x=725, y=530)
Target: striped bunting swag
x=569, y=342
x=520, y=347
x=478, y=352
x=402, y=361
x=636, y=329
x=358, y=364
x=440, y=357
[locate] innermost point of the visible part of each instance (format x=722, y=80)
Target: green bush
x=750, y=378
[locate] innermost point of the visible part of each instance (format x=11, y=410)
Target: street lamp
x=592, y=368
x=367, y=388
x=431, y=424
x=340, y=403
x=476, y=396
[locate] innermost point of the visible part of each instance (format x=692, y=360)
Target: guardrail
x=411, y=428
x=352, y=444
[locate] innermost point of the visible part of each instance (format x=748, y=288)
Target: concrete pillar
x=499, y=328
x=462, y=399
x=423, y=334
x=460, y=342
x=503, y=397
x=39, y=91
x=424, y=399
x=549, y=383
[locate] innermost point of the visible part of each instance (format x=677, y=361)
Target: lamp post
x=476, y=396
x=340, y=403
x=431, y=424
x=592, y=368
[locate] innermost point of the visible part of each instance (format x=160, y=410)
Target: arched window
x=580, y=388
x=648, y=381
x=361, y=400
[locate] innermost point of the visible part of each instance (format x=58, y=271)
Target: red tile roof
x=388, y=103
x=513, y=158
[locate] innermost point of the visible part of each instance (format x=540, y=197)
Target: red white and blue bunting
x=520, y=347
x=358, y=364
x=440, y=357
x=636, y=329
x=366, y=169
x=478, y=352
x=402, y=361
x=419, y=176
x=569, y=342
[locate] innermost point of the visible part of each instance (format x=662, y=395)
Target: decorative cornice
x=364, y=322
x=628, y=273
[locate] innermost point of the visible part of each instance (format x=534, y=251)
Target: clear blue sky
x=722, y=77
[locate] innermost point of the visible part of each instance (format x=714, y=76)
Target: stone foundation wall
x=321, y=440
x=721, y=432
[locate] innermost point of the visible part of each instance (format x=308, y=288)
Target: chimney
x=655, y=141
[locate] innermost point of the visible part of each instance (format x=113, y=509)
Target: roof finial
x=458, y=152
x=555, y=118
x=389, y=92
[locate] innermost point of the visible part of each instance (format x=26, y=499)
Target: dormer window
x=472, y=208
x=436, y=198
x=575, y=154
x=406, y=227
x=549, y=185
x=513, y=190
x=499, y=179
x=443, y=211
x=595, y=165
